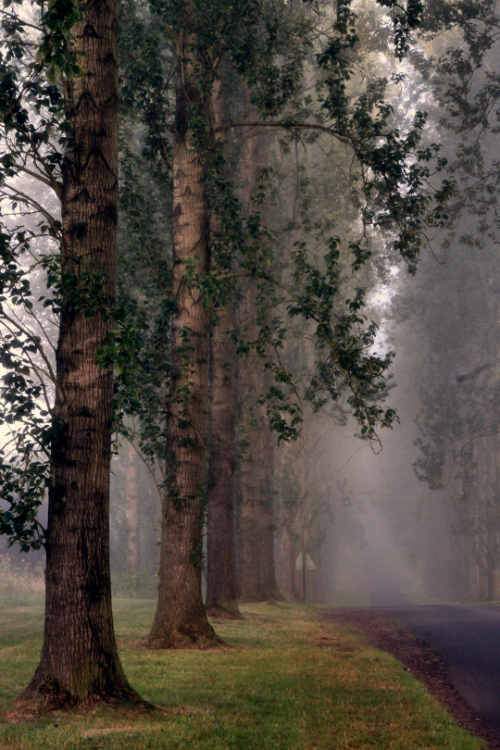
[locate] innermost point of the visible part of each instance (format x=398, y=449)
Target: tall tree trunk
x=285, y=562
x=250, y=572
x=132, y=512
x=250, y=388
x=180, y=620
x=221, y=555
x=222, y=595
x=267, y=523
x=79, y=662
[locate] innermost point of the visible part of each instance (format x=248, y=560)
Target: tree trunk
x=222, y=595
x=286, y=562
x=79, y=662
x=180, y=620
x=250, y=573
x=285, y=558
x=249, y=387
x=268, y=574
x=221, y=556
x=132, y=513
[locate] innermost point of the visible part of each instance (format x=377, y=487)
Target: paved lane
x=467, y=638
x=468, y=641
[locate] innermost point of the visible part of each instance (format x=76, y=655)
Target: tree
x=267, y=49
x=79, y=657
x=253, y=159
x=180, y=617
x=132, y=512
x=222, y=592
x=79, y=662
x=458, y=418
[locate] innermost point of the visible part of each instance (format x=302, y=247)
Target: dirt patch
x=417, y=658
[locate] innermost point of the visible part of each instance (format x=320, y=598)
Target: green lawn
x=280, y=687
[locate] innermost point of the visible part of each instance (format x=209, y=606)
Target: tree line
x=206, y=301
x=450, y=316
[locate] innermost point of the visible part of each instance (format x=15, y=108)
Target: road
x=467, y=639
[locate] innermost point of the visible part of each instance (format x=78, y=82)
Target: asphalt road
x=467, y=638
x=468, y=641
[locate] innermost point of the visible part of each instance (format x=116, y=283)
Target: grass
x=349, y=599
x=287, y=683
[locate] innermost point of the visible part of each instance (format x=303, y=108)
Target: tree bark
x=180, y=620
x=222, y=595
x=132, y=513
x=267, y=522
x=256, y=517
x=250, y=571
x=79, y=662
x=249, y=559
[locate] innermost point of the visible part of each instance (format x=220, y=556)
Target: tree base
x=221, y=613
x=275, y=596
x=260, y=598
x=196, y=636
x=40, y=699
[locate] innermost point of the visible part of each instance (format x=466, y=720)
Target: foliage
x=270, y=47
x=34, y=54
x=395, y=199
x=458, y=62
x=462, y=69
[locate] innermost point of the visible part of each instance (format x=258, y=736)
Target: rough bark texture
x=222, y=595
x=267, y=495
x=221, y=554
x=180, y=620
x=256, y=513
x=79, y=662
x=132, y=513
x=250, y=573
x=249, y=566
x=267, y=524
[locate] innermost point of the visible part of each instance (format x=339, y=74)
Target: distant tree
x=459, y=64
x=222, y=590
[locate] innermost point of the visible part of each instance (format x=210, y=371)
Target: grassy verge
x=287, y=683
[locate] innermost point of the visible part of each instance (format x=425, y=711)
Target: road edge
x=417, y=658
